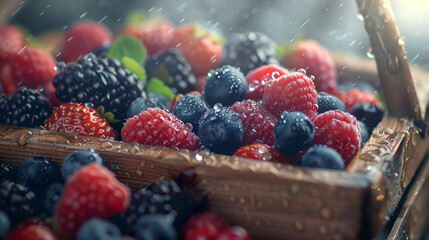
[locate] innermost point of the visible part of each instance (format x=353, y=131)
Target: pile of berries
x=182, y=87
x=83, y=200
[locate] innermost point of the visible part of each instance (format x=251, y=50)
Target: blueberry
x=368, y=113
x=78, y=159
x=98, y=229
x=51, y=197
x=221, y=130
x=155, y=227
x=162, y=99
x=37, y=173
x=142, y=104
x=364, y=134
x=328, y=102
x=321, y=156
x=293, y=132
x=189, y=109
x=225, y=85
x=4, y=225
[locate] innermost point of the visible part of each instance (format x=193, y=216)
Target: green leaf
x=156, y=85
x=380, y=100
x=126, y=46
x=134, y=67
x=108, y=116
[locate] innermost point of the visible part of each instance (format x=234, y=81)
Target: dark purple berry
x=142, y=104
x=189, y=109
x=155, y=226
x=98, y=229
x=78, y=159
x=320, y=156
x=327, y=102
x=368, y=113
x=37, y=173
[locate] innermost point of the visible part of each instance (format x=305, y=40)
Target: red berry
x=340, y=131
x=258, y=151
x=201, y=51
x=315, y=59
x=7, y=83
x=84, y=37
x=78, y=119
x=257, y=121
x=159, y=128
x=293, y=93
x=257, y=78
x=356, y=96
x=206, y=226
x=92, y=191
x=12, y=40
x=155, y=35
x=234, y=233
x=32, y=232
x=33, y=68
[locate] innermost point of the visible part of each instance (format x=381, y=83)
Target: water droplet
x=401, y=41
x=232, y=198
x=139, y=172
x=275, y=75
x=360, y=17
x=217, y=107
x=299, y=226
x=312, y=77
x=302, y=70
x=370, y=53
x=226, y=187
x=285, y=203
x=326, y=213
x=323, y=230
x=242, y=200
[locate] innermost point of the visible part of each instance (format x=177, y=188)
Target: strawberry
x=156, y=35
x=258, y=151
x=257, y=78
x=8, y=85
x=258, y=122
x=159, y=128
x=32, y=232
x=33, y=68
x=92, y=191
x=206, y=226
x=293, y=93
x=84, y=37
x=78, y=119
x=356, y=96
x=201, y=49
x=12, y=40
x=315, y=59
x=340, y=131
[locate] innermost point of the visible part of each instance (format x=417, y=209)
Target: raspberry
x=221, y=130
x=204, y=226
x=32, y=232
x=257, y=151
x=250, y=50
x=293, y=93
x=82, y=38
x=159, y=128
x=315, y=59
x=258, y=122
x=33, y=68
x=92, y=191
x=355, y=97
x=199, y=47
x=225, y=85
x=12, y=40
x=340, y=131
x=78, y=119
x=257, y=78
x=155, y=34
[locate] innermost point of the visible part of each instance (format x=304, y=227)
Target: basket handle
x=392, y=64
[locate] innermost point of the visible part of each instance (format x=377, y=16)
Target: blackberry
x=7, y=171
x=18, y=202
x=164, y=197
x=25, y=108
x=173, y=69
x=293, y=132
x=250, y=50
x=221, y=130
x=101, y=82
x=225, y=85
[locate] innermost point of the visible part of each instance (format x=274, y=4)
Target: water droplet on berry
x=188, y=126
x=217, y=107
x=60, y=66
x=312, y=77
x=275, y=75
x=235, y=117
x=302, y=70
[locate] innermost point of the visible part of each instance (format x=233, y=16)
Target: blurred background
x=333, y=23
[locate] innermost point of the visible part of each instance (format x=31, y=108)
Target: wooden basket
x=275, y=201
